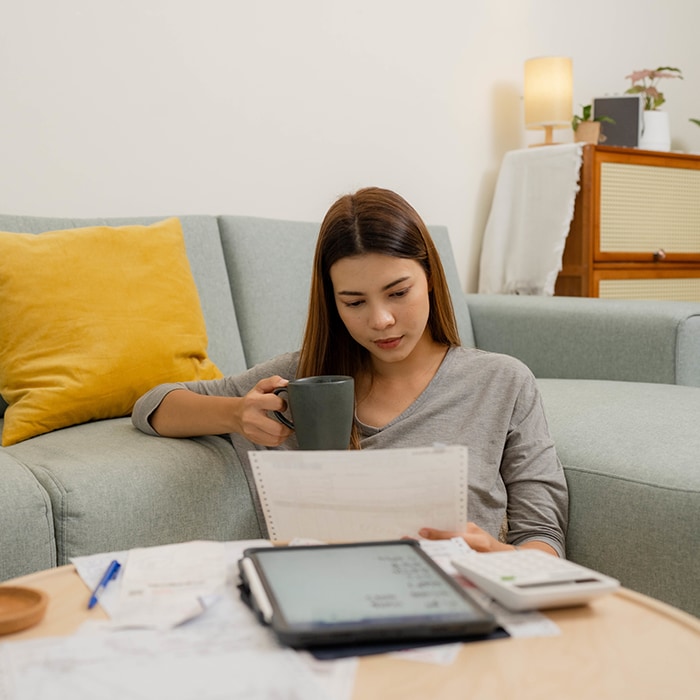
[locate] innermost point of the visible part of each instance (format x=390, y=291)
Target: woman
x=380, y=311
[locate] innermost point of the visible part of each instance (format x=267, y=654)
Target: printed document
x=345, y=495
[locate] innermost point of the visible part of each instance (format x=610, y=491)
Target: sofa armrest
x=584, y=338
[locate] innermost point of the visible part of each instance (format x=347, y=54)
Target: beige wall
x=274, y=107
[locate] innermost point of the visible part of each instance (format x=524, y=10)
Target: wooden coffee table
x=621, y=646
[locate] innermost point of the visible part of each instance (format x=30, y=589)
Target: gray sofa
x=620, y=382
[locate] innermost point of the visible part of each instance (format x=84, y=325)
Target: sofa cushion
x=27, y=541
x=271, y=316
x=270, y=308
x=464, y=323
x=112, y=487
x=631, y=453
x=92, y=318
x=204, y=251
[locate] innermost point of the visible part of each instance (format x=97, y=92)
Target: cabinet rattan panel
x=645, y=208
x=669, y=289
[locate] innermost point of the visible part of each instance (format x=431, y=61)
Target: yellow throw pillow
x=90, y=319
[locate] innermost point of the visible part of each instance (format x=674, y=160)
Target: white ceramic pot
x=656, y=134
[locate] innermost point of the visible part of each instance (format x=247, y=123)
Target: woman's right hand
x=252, y=413
x=184, y=413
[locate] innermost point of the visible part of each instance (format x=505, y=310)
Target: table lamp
x=548, y=95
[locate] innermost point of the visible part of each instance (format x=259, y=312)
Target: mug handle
x=277, y=414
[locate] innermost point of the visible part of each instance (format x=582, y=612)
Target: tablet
x=325, y=595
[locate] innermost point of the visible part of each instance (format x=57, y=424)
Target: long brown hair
x=373, y=220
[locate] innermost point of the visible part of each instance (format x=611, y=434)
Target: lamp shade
x=548, y=92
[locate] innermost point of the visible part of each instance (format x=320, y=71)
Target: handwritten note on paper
x=361, y=494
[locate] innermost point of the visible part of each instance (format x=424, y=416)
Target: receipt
x=165, y=586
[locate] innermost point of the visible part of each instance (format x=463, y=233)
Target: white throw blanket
x=532, y=209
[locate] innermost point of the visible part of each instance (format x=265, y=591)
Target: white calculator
x=527, y=579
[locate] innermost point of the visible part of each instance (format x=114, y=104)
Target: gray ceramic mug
x=323, y=411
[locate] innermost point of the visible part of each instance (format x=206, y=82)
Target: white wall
x=274, y=107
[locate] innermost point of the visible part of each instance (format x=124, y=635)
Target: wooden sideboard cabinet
x=635, y=233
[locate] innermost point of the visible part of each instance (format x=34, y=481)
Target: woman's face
x=383, y=302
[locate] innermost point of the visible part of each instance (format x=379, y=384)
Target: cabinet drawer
x=646, y=208
x=669, y=285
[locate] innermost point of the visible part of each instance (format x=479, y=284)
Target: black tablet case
x=342, y=650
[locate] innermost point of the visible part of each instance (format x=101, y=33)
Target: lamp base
x=548, y=137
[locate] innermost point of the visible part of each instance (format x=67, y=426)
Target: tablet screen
x=390, y=586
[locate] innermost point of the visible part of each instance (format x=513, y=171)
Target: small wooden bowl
x=21, y=608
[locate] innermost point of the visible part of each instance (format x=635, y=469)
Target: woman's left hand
x=475, y=537
x=480, y=540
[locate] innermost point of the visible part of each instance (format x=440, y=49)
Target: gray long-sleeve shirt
x=486, y=401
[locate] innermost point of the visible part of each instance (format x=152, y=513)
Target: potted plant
x=586, y=127
x=655, y=133
x=645, y=82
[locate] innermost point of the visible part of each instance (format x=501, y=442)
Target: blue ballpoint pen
x=111, y=573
